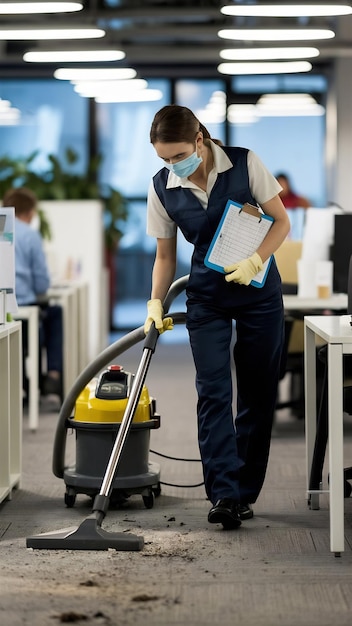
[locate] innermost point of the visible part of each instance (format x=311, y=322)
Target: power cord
x=174, y=458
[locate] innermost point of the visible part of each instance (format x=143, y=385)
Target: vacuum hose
x=105, y=357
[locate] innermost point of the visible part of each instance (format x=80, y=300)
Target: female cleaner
x=190, y=193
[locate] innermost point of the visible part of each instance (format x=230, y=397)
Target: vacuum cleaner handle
x=151, y=339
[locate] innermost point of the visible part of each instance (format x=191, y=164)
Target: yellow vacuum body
x=104, y=399
x=97, y=416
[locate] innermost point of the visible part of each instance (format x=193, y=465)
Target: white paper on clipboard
x=241, y=230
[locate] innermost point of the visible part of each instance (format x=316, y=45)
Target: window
x=294, y=145
x=52, y=118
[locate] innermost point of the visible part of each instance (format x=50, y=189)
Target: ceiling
x=168, y=38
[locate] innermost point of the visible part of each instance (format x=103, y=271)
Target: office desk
x=73, y=298
x=299, y=305
x=66, y=297
x=10, y=408
x=31, y=314
x=336, y=331
x=296, y=308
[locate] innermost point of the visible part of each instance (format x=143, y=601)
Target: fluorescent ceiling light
x=264, y=68
x=4, y=105
x=214, y=111
x=317, y=110
x=144, y=95
x=288, y=104
x=92, y=89
x=73, y=56
x=242, y=114
x=28, y=8
x=23, y=34
x=275, y=105
x=257, y=54
x=280, y=99
x=102, y=73
x=275, y=34
x=290, y=111
x=287, y=10
x=10, y=113
x=12, y=120
x=9, y=116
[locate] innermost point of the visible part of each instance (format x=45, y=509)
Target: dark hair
x=22, y=199
x=174, y=123
x=283, y=175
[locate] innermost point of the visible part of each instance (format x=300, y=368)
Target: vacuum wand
x=101, y=501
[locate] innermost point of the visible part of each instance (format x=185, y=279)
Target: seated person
x=32, y=282
x=289, y=197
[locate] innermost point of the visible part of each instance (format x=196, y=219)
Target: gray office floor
x=276, y=570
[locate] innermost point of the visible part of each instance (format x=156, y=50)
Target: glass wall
x=294, y=146
x=129, y=164
x=207, y=98
x=54, y=118
x=123, y=137
x=285, y=142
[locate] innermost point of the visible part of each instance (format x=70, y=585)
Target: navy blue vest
x=198, y=227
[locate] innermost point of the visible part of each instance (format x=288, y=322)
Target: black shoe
x=51, y=386
x=245, y=511
x=225, y=512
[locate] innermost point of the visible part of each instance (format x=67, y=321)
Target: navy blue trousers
x=235, y=452
x=50, y=338
x=51, y=335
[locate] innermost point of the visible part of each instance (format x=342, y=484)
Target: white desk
x=31, y=314
x=83, y=325
x=336, y=331
x=337, y=302
x=10, y=408
x=73, y=298
x=66, y=297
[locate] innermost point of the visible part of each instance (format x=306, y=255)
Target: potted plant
x=59, y=183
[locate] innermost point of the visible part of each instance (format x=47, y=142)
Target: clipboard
x=241, y=230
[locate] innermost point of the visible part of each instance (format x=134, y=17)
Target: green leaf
x=58, y=182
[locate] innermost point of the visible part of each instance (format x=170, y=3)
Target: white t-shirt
x=262, y=183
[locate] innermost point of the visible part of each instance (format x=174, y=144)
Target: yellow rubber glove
x=244, y=271
x=156, y=315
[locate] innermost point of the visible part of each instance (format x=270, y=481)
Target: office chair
x=286, y=258
x=315, y=478
x=292, y=361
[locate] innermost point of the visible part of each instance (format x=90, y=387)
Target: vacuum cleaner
x=97, y=418
x=141, y=476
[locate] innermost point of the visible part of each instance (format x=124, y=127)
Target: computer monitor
x=349, y=305
x=2, y=223
x=318, y=234
x=341, y=251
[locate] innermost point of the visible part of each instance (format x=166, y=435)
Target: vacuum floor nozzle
x=88, y=536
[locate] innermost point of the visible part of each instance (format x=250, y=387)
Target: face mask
x=186, y=167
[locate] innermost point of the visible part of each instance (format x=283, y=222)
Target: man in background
x=32, y=283
x=289, y=197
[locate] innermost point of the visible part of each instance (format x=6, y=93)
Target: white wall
x=76, y=252
x=344, y=132
x=339, y=133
